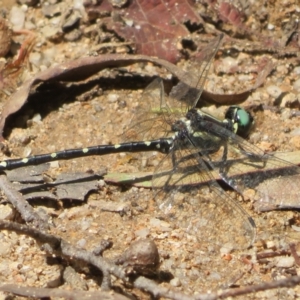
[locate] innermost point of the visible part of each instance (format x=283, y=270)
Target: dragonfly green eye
x=241, y=119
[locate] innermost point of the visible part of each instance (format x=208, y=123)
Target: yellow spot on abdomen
x=25, y=160
x=3, y=164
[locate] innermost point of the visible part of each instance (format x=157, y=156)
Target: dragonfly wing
x=148, y=122
x=189, y=196
x=189, y=91
x=273, y=182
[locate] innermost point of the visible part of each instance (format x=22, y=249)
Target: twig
x=35, y=292
x=68, y=251
x=263, y=255
x=295, y=254
x=43, y=238
x=159, y=291
x=18, y=201
x=283, y=283
x=104, y=245
x=57, y=246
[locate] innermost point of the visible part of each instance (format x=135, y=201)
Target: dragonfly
x=184, y=187
x=196, y=146
x=203, y=149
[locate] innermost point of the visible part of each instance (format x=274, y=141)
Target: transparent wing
x=148, y=122
x=203, y=61
x=189, y=196
x=153, y=116
x=189, y=92
x=274, y=182
x=156, y=111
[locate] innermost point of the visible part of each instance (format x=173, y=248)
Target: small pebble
x=17, y=17
x=85, y=224
x=297, y=70
x=72, y=278
x=226, y=249
x=142, y=256
x=37, y=118
x=296, y=228
x=245, y=77
x=282, y=69
x=27, y=151
x=71, y=21
x=49, y=31
x=78, y=5
x=101, y=183
x=129, y=22
x=228, y=64
x=274, y=91
x=56, y=21
x=175, y=282
x=6, y=212
x=54, y=164
x=143, y=233
x=52, y=276
x=50, y=10
x=296, y=85
x=49, y=55
x=81, y=243
x=285, y=114
x=30, y=25
x=255, y=137
x=150, y=69
x=285, y=262
x=112, y=98
x=288, y=99
x=158, y=223
x=215, y=276
x=270, y=244
x=295, y=132
x=43, y=68
x=4, y=248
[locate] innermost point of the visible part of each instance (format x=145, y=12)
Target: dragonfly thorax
x=182, y=126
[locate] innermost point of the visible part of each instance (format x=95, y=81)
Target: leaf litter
x=155, y=28
x=76, y=124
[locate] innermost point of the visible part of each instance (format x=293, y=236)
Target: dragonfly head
x=241, y=120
